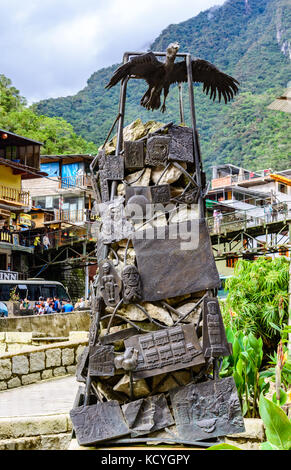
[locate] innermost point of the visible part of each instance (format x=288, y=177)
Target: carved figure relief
x=131, y=284
x=109, y=284
x=208, y=409
x=99, y=422
x=214, y=338
x=104, y=186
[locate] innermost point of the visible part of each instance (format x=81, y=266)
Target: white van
x=33, y=289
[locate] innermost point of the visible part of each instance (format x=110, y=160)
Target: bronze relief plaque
x=133, y=155
x=99, y=422
x=166, y=350
x=181, y=144
x=115, y=225
x=114, y=167
x=157, y=150
x=82, y=365
x=166, y=269
x=104, y=186
x=147, y=415
x=101, y=361
x=208, y=409
x=214, y=338
x=160, y=193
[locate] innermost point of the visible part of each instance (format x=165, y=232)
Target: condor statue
x=160, y=75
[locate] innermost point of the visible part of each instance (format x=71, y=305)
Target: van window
x=5, y=291
x=48, y=291
x=62, y=293
x=32, y=291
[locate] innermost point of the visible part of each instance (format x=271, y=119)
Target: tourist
x=3, y=310
x=48, y=305
x=67, y=307
x=24, y=304
x=217, y=216
x=46, y=241
x=57, y=305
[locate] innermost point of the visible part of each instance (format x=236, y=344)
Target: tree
x=56, y=134
x=10, y=99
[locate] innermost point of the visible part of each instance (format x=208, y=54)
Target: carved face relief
x=157, y=150
x=131, y=284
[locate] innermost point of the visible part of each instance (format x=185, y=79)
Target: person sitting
x=67, y=307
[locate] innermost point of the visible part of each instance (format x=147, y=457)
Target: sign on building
x=8, y=276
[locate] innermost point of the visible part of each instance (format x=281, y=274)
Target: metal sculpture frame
x=198, y=180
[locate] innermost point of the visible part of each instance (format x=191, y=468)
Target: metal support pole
x=195, y=141
x=181, y=104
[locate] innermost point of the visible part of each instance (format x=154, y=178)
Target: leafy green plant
x=277, y=424
x=258, y=299
x=244, y=365
x=223, y=446
x=13, y=296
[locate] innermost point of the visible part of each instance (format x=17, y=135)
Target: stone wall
x=51, y=432
x=40, y=363
x=57, y=324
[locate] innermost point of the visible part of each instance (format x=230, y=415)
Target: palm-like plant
x=258, y=298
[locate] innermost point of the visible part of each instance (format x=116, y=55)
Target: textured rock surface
x=37, y=361
x=30, y=378
x=140, y=387
x=68, y=356
x=53, y=357
x=20, y=365
x=5, y=369
x=171, y=175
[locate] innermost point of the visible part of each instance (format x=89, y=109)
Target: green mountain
x=250, y=40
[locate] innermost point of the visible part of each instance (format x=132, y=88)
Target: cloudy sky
x=49, y=48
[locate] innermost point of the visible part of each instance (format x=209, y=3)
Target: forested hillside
x=249, y=39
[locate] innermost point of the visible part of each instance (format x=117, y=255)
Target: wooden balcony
x=13, y=196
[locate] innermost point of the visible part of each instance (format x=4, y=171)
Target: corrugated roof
x=282, y=103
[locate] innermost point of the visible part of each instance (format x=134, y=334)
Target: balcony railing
x=14, y=196
x=76, y=181
x=5, y=237
x=243, y=219
x=72, y=216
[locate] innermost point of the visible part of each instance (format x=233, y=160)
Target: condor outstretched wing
x=211, y=77
x=141, y=66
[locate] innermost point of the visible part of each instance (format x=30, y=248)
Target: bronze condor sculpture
x=160, y=75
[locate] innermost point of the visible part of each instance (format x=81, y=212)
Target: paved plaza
x=42, y=398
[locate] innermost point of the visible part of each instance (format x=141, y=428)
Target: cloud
x=49, y=48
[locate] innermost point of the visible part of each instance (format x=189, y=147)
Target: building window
x=231, y=261
x=282, y=188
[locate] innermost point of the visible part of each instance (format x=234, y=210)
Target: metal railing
x=72, y=216
x=5, y=237
x=76, y=181
x=242, y=219
x=54, y=239
x=13, y=195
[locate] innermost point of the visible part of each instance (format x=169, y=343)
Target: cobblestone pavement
x=42, y=398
